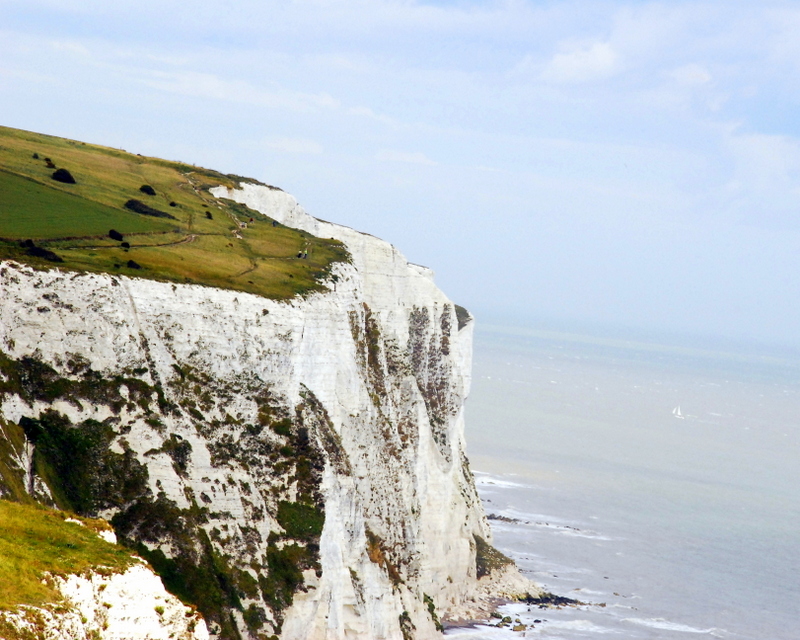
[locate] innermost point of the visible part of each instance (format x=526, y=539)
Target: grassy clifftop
x=36, y=542
x=173, y=228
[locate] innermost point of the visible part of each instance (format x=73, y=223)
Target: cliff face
x=291, y=468
x=116, y=606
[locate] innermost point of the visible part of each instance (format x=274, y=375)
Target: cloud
x=295, y=145
x=691, y=75
x=205, y=85
x=366, y=112
x=70, y=46
x=583, y=64
x=388, y=155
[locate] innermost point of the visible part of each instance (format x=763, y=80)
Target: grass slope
x=35, y=541
x=210, y=241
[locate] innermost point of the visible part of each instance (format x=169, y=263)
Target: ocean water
x=658, y=484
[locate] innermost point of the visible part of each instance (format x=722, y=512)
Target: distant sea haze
x=660, y=480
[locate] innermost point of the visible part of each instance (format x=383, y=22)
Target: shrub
x=115, y=235
x=62, y=175
x=173, y=204
x=35, y=156
x=133, y=265
x=209, y=216
x=140, y=207
x=125, y=245
x=301, y=521
x=39, y=252
x=146, y=188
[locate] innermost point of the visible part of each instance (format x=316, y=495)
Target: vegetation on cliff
x=87, y=468
x=180, y=234
x=36, y=542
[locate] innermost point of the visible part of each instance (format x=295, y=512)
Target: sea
x=654, y=480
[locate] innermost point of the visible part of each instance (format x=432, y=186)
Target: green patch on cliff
x=487, y=558
x=32, y=379
x=300, y=521
x=76, y=462
x=35, y=541
x=177, y=231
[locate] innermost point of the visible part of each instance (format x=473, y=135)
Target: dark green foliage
x=282, y=427
x=125, y=245
x=432, y=611
x=140, y=207
x=254, y=617
x=62, y=175
x=83, y=474
x=301, y=521
x=147, y=189
x=205, y=583
x=40, y=252
x=407, y=627
x=462, y=316
x=33, y=379
x=209, y=216
x=179, y=450
x=133, y=265
x=12, y=475
x=487, y=558
x=285, y=575
x=115, y=235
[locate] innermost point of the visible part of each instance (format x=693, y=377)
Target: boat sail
x=677, y=412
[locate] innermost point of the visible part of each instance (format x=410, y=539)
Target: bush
x=140, y=207
x=115, y=235
x=125, y=245
x=39, y=252
x=209, y=216
x=173, y=204
x=35, y=156
x=133, y=265
x=62, y=175
x=146, y=188
x=301, y=521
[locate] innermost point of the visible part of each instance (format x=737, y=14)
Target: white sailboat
x=677, y=412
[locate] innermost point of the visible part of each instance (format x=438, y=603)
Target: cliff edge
x=292, y=468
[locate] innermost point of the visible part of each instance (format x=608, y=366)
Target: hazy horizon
x=617, y=163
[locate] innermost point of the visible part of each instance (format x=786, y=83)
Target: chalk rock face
x=121, y=606
x=297, y=468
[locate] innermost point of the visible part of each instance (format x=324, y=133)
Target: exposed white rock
x=119, y=606
x=380, y=358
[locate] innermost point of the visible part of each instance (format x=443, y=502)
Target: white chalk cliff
x=373, y=373
x=131, y=605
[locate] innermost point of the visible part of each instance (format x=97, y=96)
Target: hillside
x=177, y=232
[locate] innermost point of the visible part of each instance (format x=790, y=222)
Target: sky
x=632, y=164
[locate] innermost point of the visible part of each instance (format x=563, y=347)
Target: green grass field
x=35, y=540
x=30, y=209
x=210, y=241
